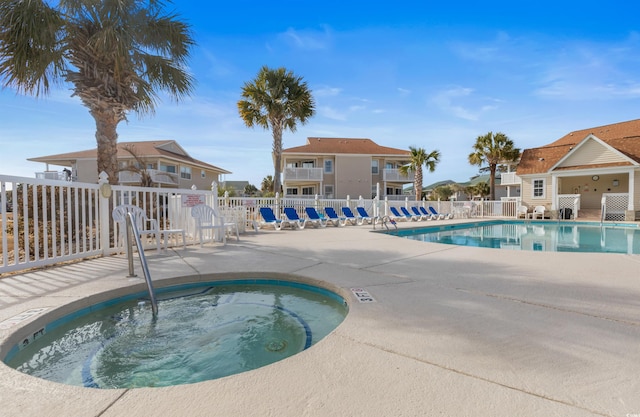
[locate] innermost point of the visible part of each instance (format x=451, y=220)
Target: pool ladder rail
x=132, y=229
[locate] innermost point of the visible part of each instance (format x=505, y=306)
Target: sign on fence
x=190, y=200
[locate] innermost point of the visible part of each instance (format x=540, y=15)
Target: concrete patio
x=454, y=331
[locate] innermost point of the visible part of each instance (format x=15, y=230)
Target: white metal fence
x=45, y=221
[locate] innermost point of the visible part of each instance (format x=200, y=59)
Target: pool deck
x=453, y=331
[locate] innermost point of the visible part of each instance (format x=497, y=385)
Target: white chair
x=538, y=211
x=522, y=211
x=208, y=218
x=144, y=224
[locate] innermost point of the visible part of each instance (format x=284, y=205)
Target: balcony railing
x=302, y=174
x=395, y=175
x=509, y=178
x=54, y=175
x=157, y=176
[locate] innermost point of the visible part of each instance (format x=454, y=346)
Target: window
x=185, y=173
x=389, y=165
x=308, y=164
x=292, y=191
x=374, y=166
x=538, y=188
x=328, y=166
x=308, y=191
x=168, y=168
x=203, y=174
x=328, y=191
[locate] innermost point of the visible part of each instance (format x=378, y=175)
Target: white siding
x=592, y=152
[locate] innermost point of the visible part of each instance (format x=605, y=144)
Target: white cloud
x=447, y=101
x=307, y=39
x=332, y=113
x=592, y=71
x=327, y=91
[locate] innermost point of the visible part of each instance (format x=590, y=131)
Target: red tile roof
x=624, y=136
x=328, y=146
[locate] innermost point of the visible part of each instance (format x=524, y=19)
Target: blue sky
x=403, y=74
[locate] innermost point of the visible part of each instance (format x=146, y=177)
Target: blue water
x=533, y=236
x=201, y=333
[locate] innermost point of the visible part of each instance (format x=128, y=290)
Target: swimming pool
x=203, y=331
x=532, y=236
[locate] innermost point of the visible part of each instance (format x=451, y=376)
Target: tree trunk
x=107, y=141
x=418, y=183
x=492, y=181
x=277, y=156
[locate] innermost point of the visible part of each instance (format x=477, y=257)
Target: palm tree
x=116, y=54
x=267, y=184
x=250, y=190
x=276, y=99
x=480, y=189
x=420, y=157
x=493, y=149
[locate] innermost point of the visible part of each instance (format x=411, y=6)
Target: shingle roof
x=169, y=149
x=325, y=146
x=624, y=136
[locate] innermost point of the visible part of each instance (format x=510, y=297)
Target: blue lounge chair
x=292, y=215
x=333, y=217
x=427, y=214
x=364, y=215
x=314, y=217
x=439, y=216
x=395, y=215
x=350, y=217
x=269, y=219
x=410, y=216
x=421, y=216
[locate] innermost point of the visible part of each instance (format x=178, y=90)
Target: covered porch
x=605, y=193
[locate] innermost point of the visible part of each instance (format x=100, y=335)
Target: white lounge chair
x=208, y=218
x=350, y=217
x=537, y=211
x=269, y=219
x=314, y=217
x=397, y=216
x=333, y=217
x=292, y=216
x=440, y=216
x=364, y=216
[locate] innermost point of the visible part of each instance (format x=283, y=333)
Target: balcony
x=54, y=175
x=157, y=176
x=303, y=174
x=394, y=175
x=509, y=178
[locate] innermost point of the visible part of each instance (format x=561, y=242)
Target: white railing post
x=104, y=215
x=214, y=191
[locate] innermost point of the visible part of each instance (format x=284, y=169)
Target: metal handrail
x=133, y=229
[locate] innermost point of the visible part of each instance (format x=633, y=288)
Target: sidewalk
x=454, y=331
